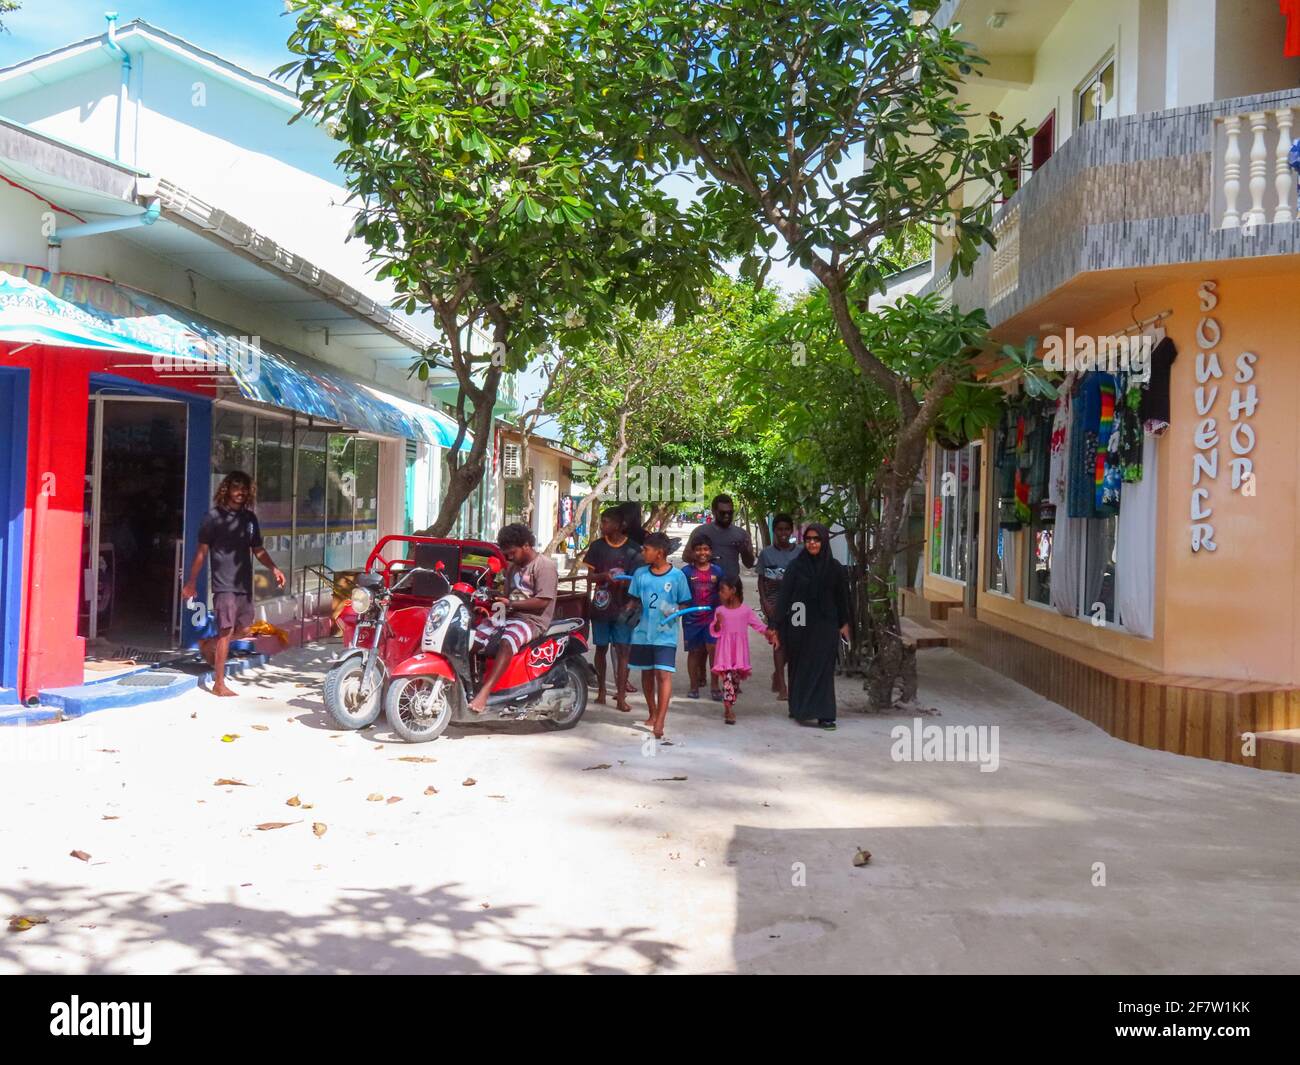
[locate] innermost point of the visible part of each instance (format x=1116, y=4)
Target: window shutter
x=512, y=466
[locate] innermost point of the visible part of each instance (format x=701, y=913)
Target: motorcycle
x=383, y=620
x=546, y=681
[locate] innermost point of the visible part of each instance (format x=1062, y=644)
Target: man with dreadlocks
x=231, y=535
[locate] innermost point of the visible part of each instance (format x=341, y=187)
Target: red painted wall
x=50, y=652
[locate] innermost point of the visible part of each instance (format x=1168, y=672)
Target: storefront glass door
x=135, y=523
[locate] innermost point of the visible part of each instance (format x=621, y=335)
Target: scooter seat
x=559, y=627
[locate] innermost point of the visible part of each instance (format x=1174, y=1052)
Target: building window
x=309, y=548
x=274, y=479
x=956, y=494
x=1096, y=96
x=365, y=513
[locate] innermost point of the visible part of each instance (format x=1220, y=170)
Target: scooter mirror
x=494, y=563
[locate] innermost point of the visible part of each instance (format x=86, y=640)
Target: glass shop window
x=955, y=492
x=310, y=546
x=274, y=480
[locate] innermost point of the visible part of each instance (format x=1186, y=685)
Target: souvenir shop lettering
x=1207, y=438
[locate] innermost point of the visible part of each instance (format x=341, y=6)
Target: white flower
x=573, y=319
x=347, y=23
x=511, y=302
x=500, y=188
x=495, y=60
x=520, y=153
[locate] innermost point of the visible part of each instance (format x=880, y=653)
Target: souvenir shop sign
x=1235, y=440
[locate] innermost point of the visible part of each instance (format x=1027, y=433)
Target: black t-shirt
x=231, y=536
x=608, y=600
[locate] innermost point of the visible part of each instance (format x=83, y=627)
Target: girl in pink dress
x=731, y=661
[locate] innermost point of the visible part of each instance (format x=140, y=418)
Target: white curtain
x=1135, y=548
x=1069, y=540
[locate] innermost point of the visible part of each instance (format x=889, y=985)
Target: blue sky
x=248, y=32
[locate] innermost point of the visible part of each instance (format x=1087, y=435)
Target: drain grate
x=152, y=679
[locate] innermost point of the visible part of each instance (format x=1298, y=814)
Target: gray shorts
x=233, y=610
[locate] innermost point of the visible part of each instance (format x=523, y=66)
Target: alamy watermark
x=1071, y=353
x=920, y=742
x=239, y=357
x=659, y=484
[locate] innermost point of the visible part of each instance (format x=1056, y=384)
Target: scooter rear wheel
x=343, y=699
x=420, y=708
x=576, y=683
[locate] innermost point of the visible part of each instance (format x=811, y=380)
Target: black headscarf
x=813, y=580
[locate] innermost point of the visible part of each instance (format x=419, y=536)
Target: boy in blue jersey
x=662, y=590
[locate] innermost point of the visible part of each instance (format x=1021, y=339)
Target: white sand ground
x=545, y=864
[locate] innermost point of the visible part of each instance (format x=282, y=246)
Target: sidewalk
x=583, y=851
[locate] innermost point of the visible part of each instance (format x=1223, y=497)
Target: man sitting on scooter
x=514, y=623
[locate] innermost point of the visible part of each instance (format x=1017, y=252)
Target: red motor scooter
x=546, y=681
x=384, y=619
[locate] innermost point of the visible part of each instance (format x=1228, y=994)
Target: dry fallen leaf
x=394, y=798
x=374, y=796
x=194, y=715
x=82, y=855
x=227, y=782
x=669, y=778
x=109, y=817
x=415, y=758
x=230, y=737
x=319, y=828
x=107, y=750
x=603, y=765
x=21, y=922
x=862, y=857
x=266, y=826
x=468, y=782
x=294, y=801
x=262, y=728
x=431, y=790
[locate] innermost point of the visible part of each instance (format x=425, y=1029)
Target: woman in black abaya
x=812, y=613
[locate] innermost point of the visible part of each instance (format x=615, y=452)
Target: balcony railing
x=1254, y=146
x=1188, y=185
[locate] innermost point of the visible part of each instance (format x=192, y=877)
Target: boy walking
x=608, y=559
x=661, y=590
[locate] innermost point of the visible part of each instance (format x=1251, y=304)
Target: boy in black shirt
x=610, y=557
x=231, y=534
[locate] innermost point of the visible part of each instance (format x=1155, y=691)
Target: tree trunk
x=597, y=490
x=467, y=474
x=893, y=665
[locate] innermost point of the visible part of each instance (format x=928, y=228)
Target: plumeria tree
x=486, y=191
x=823, y=133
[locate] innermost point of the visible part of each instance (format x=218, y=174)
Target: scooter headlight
x=361, y=600
x=437, y=615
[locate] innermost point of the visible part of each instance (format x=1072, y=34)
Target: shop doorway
x=135, y=523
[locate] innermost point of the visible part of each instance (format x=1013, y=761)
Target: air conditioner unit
x=512, y=461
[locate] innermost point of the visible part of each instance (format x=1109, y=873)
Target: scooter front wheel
x=342, y=694
x=420, y=708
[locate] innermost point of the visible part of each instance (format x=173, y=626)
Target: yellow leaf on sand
x=319, y=828
x=21, y=922
x=262, y=728
x=294, y=801
x=227, y=782
x=230, y=737
x=374, y=796
x=266, y=826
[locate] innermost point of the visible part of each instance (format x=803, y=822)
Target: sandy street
x=585, y=851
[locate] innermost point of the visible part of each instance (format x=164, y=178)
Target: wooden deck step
x=922, y=636
x=1279, y=749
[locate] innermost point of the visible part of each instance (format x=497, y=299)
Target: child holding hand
x=731, y=661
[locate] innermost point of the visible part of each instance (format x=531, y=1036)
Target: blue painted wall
x=13, y=500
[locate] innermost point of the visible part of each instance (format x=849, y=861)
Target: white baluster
x=1258, y=169
x=1232, y=172
x=1283, y=180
